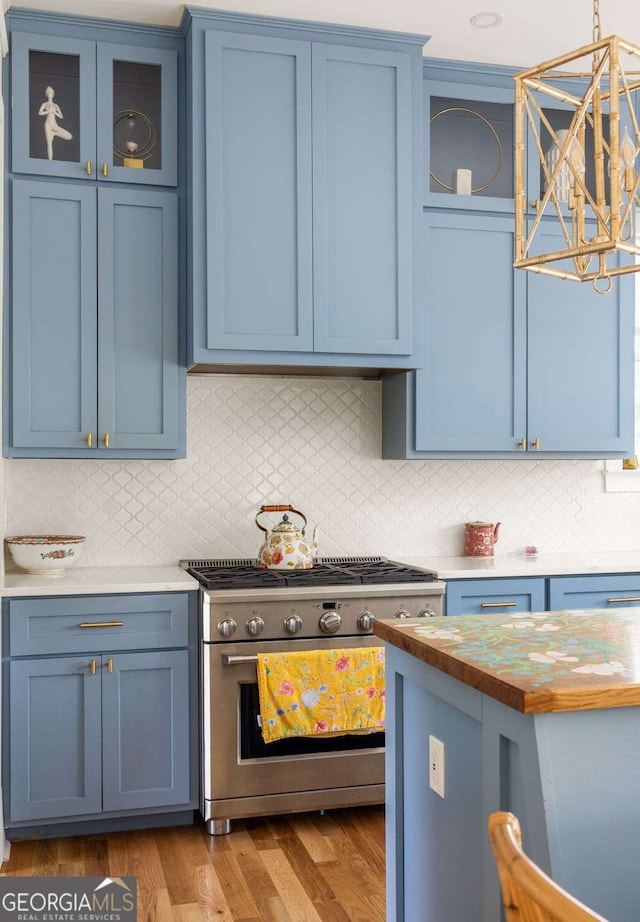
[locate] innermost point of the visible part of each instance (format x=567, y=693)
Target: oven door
x=236, y=761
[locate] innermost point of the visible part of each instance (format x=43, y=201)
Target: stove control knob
x=427, y=612
x=365, y=621
x=293, y=624
x=330, y=622
x=403, y=613
x=227, y=627
x=255, y=626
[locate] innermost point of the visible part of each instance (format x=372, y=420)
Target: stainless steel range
x=247, y=611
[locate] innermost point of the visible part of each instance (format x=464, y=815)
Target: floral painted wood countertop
x=534, y=662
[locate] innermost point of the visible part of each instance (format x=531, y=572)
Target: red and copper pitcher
x=480, y=538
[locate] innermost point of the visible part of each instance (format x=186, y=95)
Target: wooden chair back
x=528, y=894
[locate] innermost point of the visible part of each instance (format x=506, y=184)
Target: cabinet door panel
x=495, y=596
x=580, y=364
x=142, y=81
x=362, y=200
x=53, y=315
x=145, y=718
x=258, y=164
x=55, y=748
x=139, y=374
x=471, y=393
x=62, y=124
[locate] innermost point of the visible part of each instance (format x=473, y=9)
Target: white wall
x=313, y=442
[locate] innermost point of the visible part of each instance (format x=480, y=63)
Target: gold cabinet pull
x=101, y=624
x=536, y=444
x=106, y=440
x=93, y=667
x=90, y=440
x=522, y=444
x=536, y=204
x=88, y=168
x=109, y=665
x=497, y=604
x=631, y=598
x=105, y=169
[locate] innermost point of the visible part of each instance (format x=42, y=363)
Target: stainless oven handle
x=230, y=660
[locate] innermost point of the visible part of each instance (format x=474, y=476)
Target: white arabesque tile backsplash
x=314, y=443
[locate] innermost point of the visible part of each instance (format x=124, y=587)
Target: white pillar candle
x=463, y=182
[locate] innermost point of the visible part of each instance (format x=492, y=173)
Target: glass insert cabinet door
x=87, y=110
x=137, y=105
x=469, y=148
x=53, y=99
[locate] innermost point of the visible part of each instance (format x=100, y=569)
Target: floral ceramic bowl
x=45, y=554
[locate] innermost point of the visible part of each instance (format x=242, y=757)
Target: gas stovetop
x=327, y=572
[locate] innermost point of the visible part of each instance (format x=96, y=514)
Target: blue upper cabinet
x=471, y=393
x=95, y=354
x=53, y=334
x=94, y=367
x=518, y=365
x=362, y=201
x=304, y=223
x=87, y=110
x=515, y=364
x=580, y=363
x=259, y=274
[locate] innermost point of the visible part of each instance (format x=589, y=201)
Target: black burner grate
x=334, y=571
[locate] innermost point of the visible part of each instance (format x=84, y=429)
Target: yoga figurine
x=52, y=130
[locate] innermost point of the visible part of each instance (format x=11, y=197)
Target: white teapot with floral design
x=286, y=546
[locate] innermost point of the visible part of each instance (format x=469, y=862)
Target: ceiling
x=532, y=30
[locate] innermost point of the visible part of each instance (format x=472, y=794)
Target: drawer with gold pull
x=78, y=624
x=495, y=596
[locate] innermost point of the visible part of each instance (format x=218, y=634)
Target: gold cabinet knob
x=93, y=667
x=105, y=169
x=522, y=444
x=90, y=440
x=536, y=444
x=106, y=440
x=109, y=665
x=88, y=167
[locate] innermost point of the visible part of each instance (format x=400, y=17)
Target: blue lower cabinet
x=55, y=742
x=610, y=592
x=145, y=729
x=492, y=596
x=94, y=356
x=100, y=736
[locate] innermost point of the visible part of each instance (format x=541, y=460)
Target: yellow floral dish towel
x=321, y=692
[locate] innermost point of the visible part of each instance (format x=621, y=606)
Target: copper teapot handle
x=279, y=509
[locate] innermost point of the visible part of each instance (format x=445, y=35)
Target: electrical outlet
x=436, y=765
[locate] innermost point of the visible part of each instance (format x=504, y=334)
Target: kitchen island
x=539, y=713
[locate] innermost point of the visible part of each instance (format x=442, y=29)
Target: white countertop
x=521, y=565
x=95, y=580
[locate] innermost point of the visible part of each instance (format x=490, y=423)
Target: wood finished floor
x=296, y=868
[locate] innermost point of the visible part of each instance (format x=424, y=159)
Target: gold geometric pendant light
x=588, y=166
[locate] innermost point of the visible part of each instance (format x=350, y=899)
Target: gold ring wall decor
x=493, y=132
x=143, y=151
